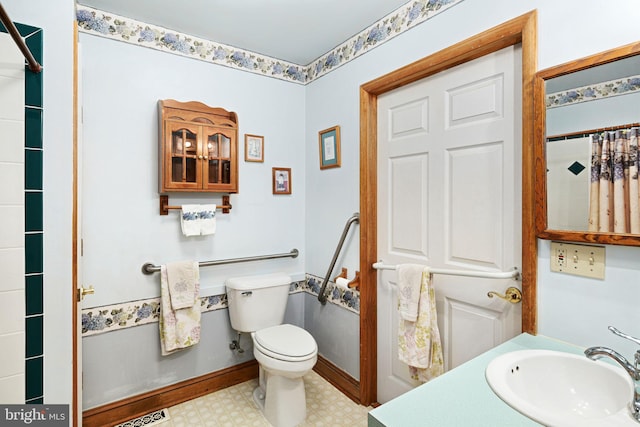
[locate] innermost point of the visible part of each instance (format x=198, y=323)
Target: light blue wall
x=566, y=32
x=127, y=362
x=122, y=227
x=337, y=333
x=578, y=310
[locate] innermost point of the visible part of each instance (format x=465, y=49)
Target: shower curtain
x=614, y=204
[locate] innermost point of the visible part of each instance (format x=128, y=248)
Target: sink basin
x=562, y=389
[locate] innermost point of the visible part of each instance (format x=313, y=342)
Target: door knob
x=512, y=294
x=85, y=291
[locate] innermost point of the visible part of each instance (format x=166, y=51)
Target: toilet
x=285, y=353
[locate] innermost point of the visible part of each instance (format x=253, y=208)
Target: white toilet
x=285, y=353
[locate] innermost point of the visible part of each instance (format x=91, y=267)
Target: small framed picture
x=329, y=140
x=281, y=180
x=253, y=148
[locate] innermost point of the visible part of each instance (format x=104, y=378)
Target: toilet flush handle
x=247, y=293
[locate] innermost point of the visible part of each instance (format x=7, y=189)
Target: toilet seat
x=285, y=342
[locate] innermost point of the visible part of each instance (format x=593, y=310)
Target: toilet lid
x=286, y=340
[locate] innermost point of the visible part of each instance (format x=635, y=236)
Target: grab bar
x=149, y=268
x=321, y=296
x=515, y=274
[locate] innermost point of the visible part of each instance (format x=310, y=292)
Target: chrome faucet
x=594, y=353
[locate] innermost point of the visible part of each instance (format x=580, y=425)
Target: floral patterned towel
x=207, y=216
x=189, y=220
x=182, y=278
x=419, y=343
x=178, y=328
x=409, y=280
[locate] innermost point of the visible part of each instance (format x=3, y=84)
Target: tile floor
x=234, y=407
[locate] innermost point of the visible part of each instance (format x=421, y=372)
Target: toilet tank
x=257, y=302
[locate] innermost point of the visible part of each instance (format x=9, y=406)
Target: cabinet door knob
x=200, y=157
x=206, y=157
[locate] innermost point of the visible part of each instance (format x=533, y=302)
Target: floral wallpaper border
x=108, y=318
x=98, y=320
x=397, y=22
x=606, y=89
x=347, y=298
x=105, y=24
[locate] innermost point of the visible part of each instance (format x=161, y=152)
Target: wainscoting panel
x=121, y=345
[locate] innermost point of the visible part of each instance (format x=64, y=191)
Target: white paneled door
x=449, y=156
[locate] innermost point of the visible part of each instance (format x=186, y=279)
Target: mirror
x=587, y=125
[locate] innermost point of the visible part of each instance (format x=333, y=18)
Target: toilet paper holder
x=354, y=283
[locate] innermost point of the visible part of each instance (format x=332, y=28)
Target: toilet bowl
x=284, y=352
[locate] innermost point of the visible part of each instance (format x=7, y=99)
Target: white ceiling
x=296, y=31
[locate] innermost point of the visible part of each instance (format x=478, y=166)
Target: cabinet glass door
x=218, y=158
x=183, y=148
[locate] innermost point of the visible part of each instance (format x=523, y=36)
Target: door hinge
x=82, y=291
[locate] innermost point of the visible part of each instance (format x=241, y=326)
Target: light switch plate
x=581, y=260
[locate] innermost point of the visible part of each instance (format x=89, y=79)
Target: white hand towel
x=182, y=279
x=409, y=278
x=207, y=215
x=178, y=328
x=189, y=220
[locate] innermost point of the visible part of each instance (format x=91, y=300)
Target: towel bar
x=164, y=205
x=149, y=268
x=515, y=274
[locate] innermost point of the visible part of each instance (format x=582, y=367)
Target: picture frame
x=329, y=142
x=253, y=148
x=281, y=180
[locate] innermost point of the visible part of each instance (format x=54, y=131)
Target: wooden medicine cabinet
x=198, y=148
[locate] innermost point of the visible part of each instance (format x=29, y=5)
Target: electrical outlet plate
x=580, y=260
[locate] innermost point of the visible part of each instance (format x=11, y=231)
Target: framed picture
x=329, y=140
x=281, y=180
x=253, y=148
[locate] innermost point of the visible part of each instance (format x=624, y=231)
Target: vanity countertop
x=462, y=397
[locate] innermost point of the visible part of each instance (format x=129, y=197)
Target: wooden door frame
x=75, y=393
x=522, y=30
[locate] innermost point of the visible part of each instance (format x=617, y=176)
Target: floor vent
x=148, y=420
